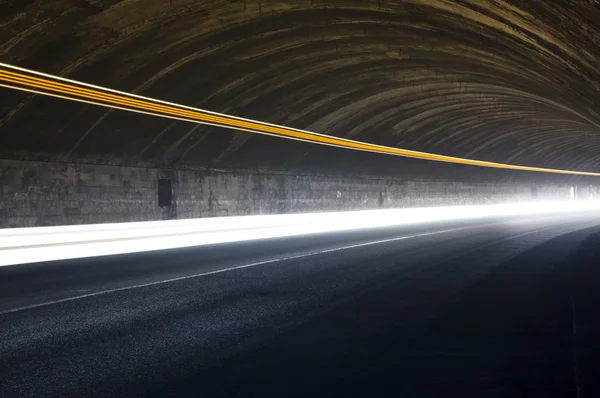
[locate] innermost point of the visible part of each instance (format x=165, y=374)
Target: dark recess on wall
x=165, y=192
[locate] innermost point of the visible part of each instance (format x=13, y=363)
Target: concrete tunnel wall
x=44, y=194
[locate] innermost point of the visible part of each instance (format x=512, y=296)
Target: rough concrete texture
x=503, y=80
x=42, y=194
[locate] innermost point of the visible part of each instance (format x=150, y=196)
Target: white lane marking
x=180, y=278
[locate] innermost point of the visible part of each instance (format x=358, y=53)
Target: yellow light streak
x=40, y=83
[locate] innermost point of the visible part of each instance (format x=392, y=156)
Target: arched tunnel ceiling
x=513, y=82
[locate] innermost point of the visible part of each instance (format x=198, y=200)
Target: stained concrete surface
x=45, y=193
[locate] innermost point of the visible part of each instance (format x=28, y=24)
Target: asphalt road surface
x=472, y=309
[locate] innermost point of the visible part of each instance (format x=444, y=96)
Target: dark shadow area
x=512, y=334
x=529, y=329
x=583, y=271
x=508, y=334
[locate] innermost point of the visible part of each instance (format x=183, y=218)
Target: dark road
x=471, y=309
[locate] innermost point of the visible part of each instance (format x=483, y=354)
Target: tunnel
x=384, y=197
x=491, y=81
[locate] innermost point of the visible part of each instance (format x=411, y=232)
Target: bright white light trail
x=27, y=245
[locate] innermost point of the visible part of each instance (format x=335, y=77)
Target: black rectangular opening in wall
x=165, y=192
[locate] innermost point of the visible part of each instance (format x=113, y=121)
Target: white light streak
x=27, y=245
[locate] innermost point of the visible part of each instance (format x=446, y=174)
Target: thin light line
x=280, y=131
x=134, y=238
x=48, y=303
x=146, y=113
x=185, y=113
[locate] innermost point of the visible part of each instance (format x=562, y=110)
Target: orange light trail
x=22, y=79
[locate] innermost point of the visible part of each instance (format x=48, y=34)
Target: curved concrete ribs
x=479, y=79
